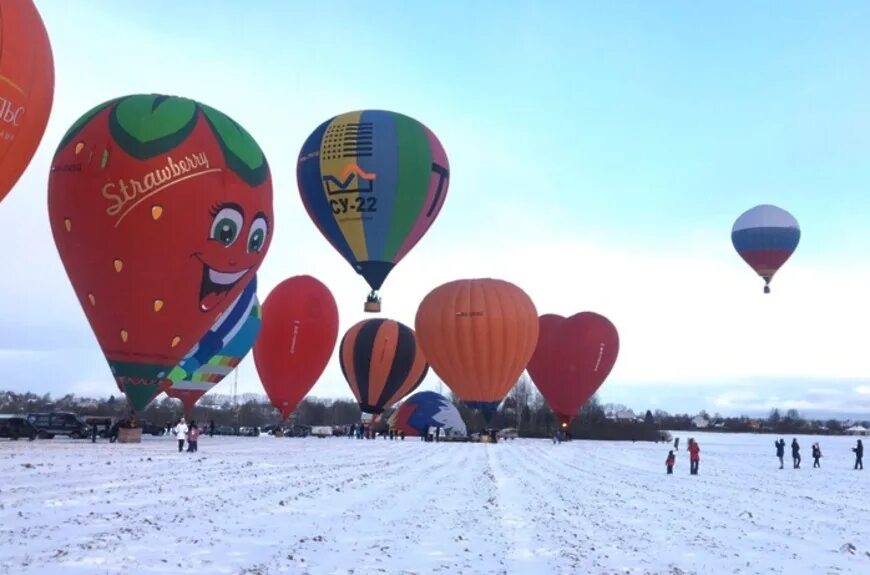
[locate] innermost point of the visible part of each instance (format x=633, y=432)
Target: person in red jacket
x=694, y=456
x=670, y=462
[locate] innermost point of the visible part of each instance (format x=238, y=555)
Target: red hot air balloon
x=572, y=359
x=297, y=338
x=161, y=211
x=26, y=87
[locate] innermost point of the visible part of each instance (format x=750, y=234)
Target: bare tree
x=521, y=393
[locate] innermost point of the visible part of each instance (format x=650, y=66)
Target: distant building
x=700, y=422
x=857, y=430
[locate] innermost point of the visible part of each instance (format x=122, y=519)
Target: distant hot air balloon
x=478, y=336
x=300, y=327
x=373, y=181
x=26, y=87
x=427, y=409
x=161, y=210
x=765, y=237
x=204, y=367
x=572, y=359
x=382, y=363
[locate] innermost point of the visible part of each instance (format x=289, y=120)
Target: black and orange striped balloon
x=382, y=363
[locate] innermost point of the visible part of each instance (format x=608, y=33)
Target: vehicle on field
x=59, y=423
x=14, y=426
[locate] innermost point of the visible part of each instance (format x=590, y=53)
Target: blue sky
x=599, y=154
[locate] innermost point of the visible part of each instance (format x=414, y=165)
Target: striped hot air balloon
x=373, y=181
x=765, y=237
x=382, y=363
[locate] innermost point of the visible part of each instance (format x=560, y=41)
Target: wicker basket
x=129, y=435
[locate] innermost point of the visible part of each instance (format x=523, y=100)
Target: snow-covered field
x=267, y=505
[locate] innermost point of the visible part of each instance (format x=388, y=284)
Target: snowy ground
x=340, y=506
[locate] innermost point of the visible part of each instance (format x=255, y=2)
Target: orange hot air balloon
x=478, y=335
x=26, y=87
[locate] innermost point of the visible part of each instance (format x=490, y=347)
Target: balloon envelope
x=765, y=237
x=26, y=87
x=572, y=359
x=382, y=363
x=478, y=335
x=161, y=210
x=427, y=409
x=205, y=367
x=373, y=182
x=300, y=327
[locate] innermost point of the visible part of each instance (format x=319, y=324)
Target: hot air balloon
x=478, y=336
x=572, y=359
x=373, y=182
x=427, y=409
x=204, y=367
x=382, y=363
x=26, y=87
x=765, y=237
x=161, y=211
x=300, y=327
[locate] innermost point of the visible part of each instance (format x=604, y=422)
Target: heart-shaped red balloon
x=572, y=359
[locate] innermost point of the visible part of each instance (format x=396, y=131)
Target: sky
x=599, y=155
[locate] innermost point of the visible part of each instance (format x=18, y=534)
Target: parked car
x=17, y=426
x=59, y=423
x=148, y=428
x=224, y=430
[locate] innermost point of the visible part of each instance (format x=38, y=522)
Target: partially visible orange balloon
x=26, y=87
x=478, y=335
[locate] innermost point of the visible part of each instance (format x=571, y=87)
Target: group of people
x=694, y=456
x=186, y=432
x=858, y=450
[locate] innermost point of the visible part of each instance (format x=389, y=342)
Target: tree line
x=523, y=409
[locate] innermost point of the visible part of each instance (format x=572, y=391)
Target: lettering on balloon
x=358, y=205
x=122, y=192
x=600, y=355
x=10, y=113
x=469, y=313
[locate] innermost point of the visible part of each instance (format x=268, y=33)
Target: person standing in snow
x=180, y=433
x=677, y=444
x=796, y=453
x=780, y=451
x=817, y=454
x=694, y=456
x=859, y=455
x=670, y=462
x=192, y=437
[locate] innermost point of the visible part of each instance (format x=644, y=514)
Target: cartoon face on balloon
x=161, y=210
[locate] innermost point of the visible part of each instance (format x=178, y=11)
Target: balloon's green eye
x=226, y=225
x=257, y=236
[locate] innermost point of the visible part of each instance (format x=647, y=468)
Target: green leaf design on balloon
x=147, y=125
x=82, y=122
x=241, y=152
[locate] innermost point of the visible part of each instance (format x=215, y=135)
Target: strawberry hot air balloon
x=26, y=87
x=297, y=338
x=572, y=359
x=161, y=211
x=373, y=182
x=765, y=237
x=478, y=336
x=219, y=351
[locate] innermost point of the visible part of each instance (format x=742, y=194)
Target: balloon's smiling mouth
x=216, y=285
